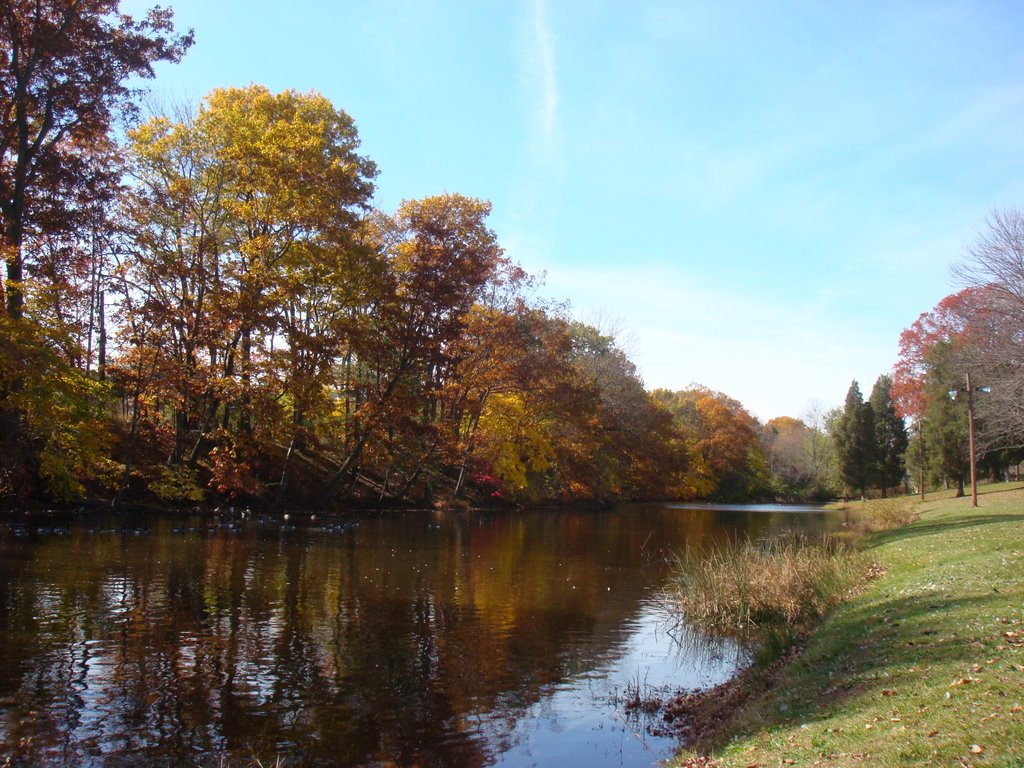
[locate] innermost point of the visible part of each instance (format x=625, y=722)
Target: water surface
x=413, y=639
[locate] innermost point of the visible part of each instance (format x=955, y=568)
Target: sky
x=756, y=197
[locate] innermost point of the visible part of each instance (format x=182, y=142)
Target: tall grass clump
x=884, y=514
x=780, y=583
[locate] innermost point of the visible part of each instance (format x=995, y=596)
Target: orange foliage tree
x=727, y=459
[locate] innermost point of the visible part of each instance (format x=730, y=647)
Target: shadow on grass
x=959, y=523
x=861, y=652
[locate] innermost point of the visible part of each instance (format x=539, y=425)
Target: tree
x=964, y=332
x=441, y=258
x=855, y=441
x=821, y=451
x=993, y=268
x=890, y=436
x=245, y=259
x=790, y=447
x=171, y=279
x=945, y=419
x=996, y=258
x=65, y=69
x=623, y=441
x=726, y=459
x=958, y=320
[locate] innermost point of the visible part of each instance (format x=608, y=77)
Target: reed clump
x=783, y=582
x=885, y=514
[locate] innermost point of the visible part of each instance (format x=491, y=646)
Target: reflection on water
x=408, y=639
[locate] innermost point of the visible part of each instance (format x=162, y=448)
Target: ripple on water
x=506, y=640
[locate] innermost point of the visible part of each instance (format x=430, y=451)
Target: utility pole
x=970, y=439
x=920, y=432
x=970, y=431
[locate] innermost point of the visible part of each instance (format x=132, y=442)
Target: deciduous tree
x=993, y=267
x=441, y=256
x=65, y=73
x=65, y=68
x=726, y=456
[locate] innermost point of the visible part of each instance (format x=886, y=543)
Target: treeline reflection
x=409, y=639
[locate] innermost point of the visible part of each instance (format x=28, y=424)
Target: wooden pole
x=970, y=438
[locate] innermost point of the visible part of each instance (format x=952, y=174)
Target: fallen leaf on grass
x=933, y=734
x=701, y=761
x=888, y=692
x=977, y=749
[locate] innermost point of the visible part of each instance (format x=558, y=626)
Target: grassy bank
x=925, y=666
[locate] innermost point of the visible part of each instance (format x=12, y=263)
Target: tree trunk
x=335, y=482
x=12, y=416
x=294, y=445
x=101, y=352
x=245, y=406
x=282, y=488
x=470, y=437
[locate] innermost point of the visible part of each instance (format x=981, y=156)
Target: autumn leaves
x=264, y=322
x=213, y=305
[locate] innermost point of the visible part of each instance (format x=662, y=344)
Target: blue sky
x=758, y=196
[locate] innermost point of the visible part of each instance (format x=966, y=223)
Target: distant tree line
x=214, y=308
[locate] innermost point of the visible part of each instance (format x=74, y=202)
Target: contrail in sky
x=544, y=66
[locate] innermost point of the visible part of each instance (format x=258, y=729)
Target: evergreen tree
x=890, y=436
x=946, y=420
x=856, y=445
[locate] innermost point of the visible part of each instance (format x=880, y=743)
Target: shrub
x=177, y=484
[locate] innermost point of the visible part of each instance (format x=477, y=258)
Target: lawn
x=924, y=666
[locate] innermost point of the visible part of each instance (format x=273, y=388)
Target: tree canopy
x=208, y=304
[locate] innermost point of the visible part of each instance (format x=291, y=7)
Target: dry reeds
x=883, y=514
x=784, y=582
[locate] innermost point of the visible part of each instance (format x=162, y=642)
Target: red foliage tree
x=960, y=319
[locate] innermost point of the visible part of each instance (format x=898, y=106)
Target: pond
x=408, y=639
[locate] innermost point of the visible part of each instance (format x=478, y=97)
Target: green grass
x=925, y=666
